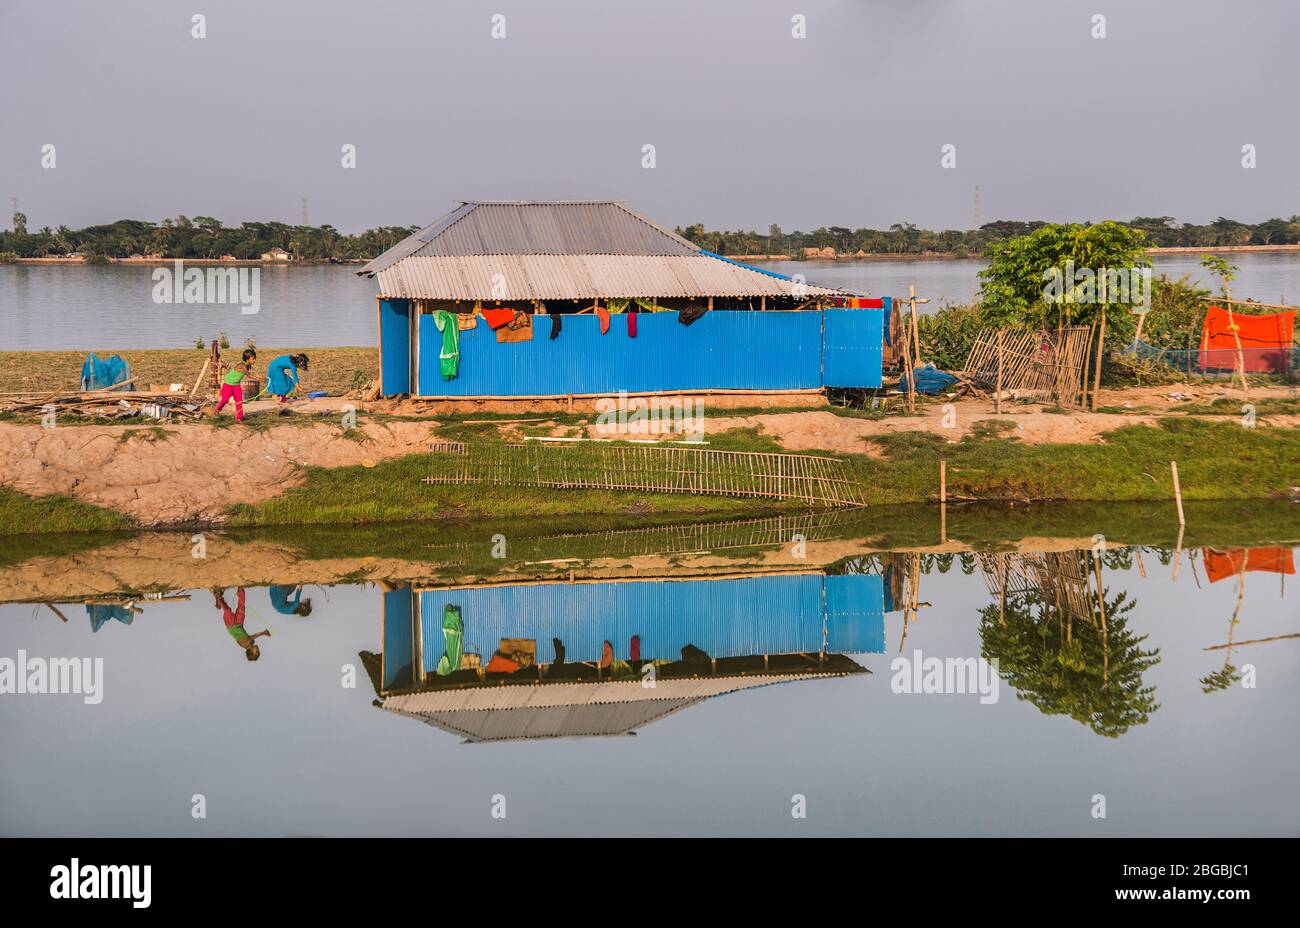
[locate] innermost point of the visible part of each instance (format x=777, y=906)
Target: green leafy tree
x=1016, y=288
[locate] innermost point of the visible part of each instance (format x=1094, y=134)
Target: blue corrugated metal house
x=701, y=322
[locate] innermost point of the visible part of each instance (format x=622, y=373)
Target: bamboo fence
x=1049, y=366
x=816, y=480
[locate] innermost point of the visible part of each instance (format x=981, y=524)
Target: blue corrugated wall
x=853, y=347
x=721, y=351
x=725, y=618
x=399, y=638
x=395, y=346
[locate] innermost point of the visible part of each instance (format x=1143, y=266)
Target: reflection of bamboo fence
x=616, y=466
x=1049, y=366
x=1056, y=578
x=686, y=537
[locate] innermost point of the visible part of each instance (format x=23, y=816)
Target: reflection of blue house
x=762, y=615
x=743, y=633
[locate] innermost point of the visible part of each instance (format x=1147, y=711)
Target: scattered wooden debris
x=107, y=404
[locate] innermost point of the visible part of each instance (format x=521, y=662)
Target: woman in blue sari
x=282, y=375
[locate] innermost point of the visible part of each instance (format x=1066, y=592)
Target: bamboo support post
x=1101, y=344
x=1178, y=492
x=997, y=395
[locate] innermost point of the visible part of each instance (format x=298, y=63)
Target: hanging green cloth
x=453, y=634
x=449, y=358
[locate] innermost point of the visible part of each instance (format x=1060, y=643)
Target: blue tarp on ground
x=930, y=380
x=101, y=375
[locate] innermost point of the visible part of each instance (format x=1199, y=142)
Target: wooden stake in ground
x=1101, y=343
x=943, y=502
x=997, y=395
x=916, y=336
x=1178, y=493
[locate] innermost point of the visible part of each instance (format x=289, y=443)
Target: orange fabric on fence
x=1265, y=340
x=1222, y=564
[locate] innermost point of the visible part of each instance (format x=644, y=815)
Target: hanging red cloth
x=496, y=318
x=631, y=325
x=1222, y=564
x=1265, y=340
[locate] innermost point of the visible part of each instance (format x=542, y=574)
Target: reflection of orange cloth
x=1265, y=340
x=1222, y=564
x=496, y=318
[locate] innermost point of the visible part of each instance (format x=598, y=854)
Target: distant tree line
x=905, y=238
x=205, y=237
x=200, y=237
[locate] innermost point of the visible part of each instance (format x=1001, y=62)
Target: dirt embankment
x=188, y=471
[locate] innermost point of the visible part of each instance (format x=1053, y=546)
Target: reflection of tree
x=1067, y=661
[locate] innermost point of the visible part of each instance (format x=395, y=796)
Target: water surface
x=111, y=308
x=1145, y=716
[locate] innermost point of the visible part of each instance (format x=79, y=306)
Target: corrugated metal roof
x=580, y=277
x=597, y=227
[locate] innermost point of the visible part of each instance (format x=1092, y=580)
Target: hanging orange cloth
x=603, y=315
x=1222, y=564
x=1265, y=340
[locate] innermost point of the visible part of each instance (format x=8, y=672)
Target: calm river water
x=111, y=308
x=1138, y=707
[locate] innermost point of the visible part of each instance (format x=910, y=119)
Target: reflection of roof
x=574, y=710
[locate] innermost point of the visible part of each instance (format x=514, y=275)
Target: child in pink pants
x=231, y=388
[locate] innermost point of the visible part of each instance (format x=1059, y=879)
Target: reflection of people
x=102, y=613
x=235, y=623
x=287, y=600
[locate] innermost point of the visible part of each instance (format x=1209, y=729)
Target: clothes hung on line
x=603, y=315
x=556, y=324
x=449, y=356
x=631, y=325
x=1265, y=341
x=520, y=329
x=496, y=318
x=690, y=314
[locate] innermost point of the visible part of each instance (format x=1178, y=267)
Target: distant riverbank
x=956, y=256
x=80, y=260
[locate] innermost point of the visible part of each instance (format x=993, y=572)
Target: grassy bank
x=332, y=369
x=1216, y=461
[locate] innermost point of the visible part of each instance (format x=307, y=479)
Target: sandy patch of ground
x=192, y=471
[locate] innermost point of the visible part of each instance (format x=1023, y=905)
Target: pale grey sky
x=751, y=126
